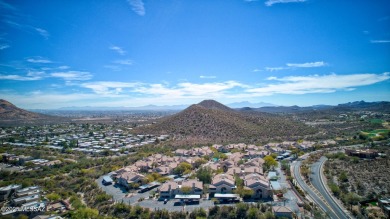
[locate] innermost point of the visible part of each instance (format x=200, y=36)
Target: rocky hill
x=12, y=115
x=213, y=122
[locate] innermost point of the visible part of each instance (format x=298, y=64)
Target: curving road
x=316, y=180
x=328, y=209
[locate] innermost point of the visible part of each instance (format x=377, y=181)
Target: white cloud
x=306, y=65
x=207, y=76
x=297, y=65
x=275, y=68
x=113, y=93
x=63, y=67
x=43, y=32
x=159, y=90
x=37, y=74
x=39, y=60
x=380, y=41
x=124, y=62
x=4, y=46
x=179, y=91
x=108, y=87
x=257, y=70
x=208, y=88
x=137, y=6
x=188, y=90
x=29, y=77
x=118, y=49
x=272, y=2
x=317, y=84
x=72, y=75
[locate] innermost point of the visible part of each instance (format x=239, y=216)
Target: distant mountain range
x=382, y=106
x=147, y=107
x=244, y=105
x=12, y=115
x=212, y=122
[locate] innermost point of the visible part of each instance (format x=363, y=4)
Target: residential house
x=369, y=153
x=23, y=159
x=259, y=185
x=282, y=212
x=124, y=169
x=234, y=170
x=253, y=169
x=163, y=170
x=384, y=204
x=195, y=185
x=7, y=191
x=142, y=165
x=222, y=183
x=127, y=178
x=255, y=154
x=169, y=190
x=29, y=191
x=212, y=166
x=221, y=148
x=225, y=165
x=182, y=152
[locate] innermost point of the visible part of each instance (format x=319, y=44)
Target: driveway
x=131, y=198
x=291, y=200
x=117, y=192
x=175, y=205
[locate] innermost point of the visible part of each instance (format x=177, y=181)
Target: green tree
x=204, y=174
x=178, y=215
x=241, y=209
x=186, y=190
x=343, y=176
x=270, y=162
x=85, y=213
x=199, y=162
x=183, y=167
x=244, y=193
x=352, y=199
x=53, y=197
x=253, y=213
x=29, y=164
x=198, y=213
x=335, y=189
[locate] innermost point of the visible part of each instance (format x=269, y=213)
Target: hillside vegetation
x=11, y=115
x=212, y=122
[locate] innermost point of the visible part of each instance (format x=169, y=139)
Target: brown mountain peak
x=212, y=104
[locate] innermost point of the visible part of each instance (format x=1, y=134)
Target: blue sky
x=138, y=52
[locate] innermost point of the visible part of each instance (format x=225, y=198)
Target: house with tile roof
x=222, y=183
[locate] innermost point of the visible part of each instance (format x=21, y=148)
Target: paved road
x=121, y=195
x=319, y=185
x=291, y=198
x=296, y=165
